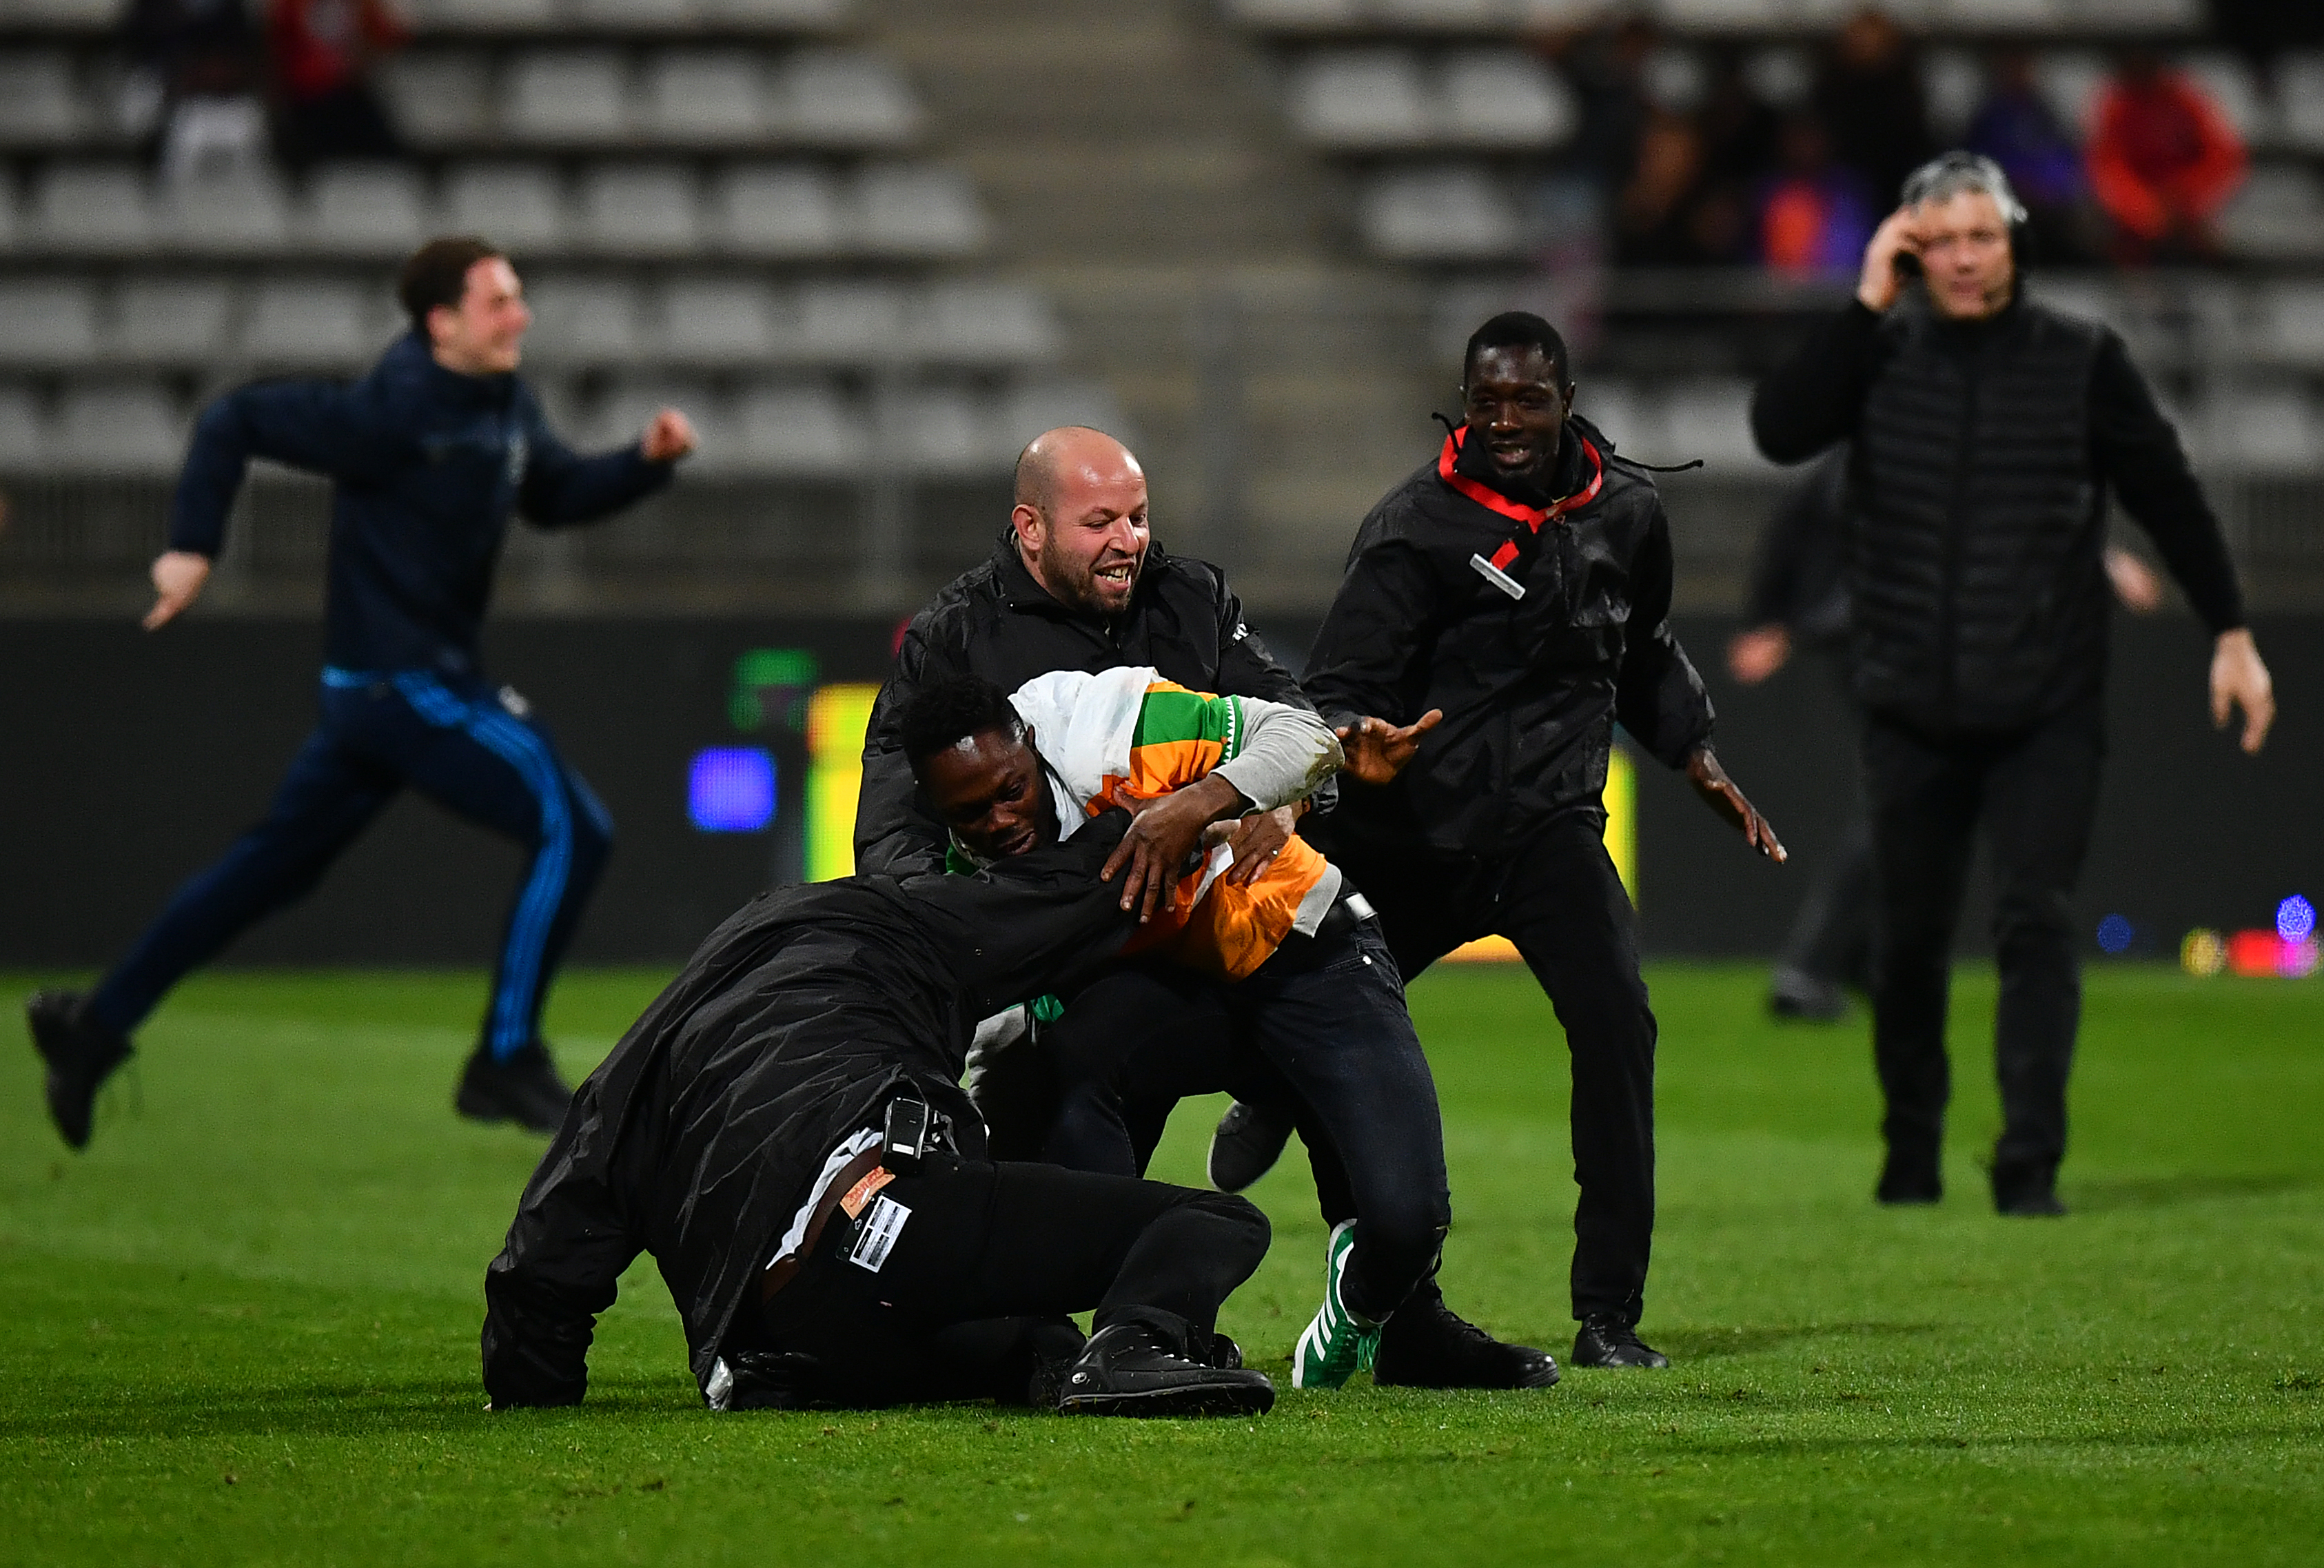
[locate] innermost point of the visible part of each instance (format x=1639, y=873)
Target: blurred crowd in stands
x=1700, y=157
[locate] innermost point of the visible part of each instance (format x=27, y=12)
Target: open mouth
x=1117, y=575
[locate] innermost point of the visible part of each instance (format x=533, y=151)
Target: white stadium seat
x=2289, y=323
x=367, y=209
x=92, y=207
x=2232, y=85
x=626, y=408
x=2069, y=81
x=850, y=323
x=634, y=16
x=1718, y=16
x=903, y=211
x=1373, y=98
x=1295, y=16
x=38, y=106
x=775, y=210
x=1710, y=419
x=440, y=98
x=171, y=320
x=703, y=95
x=133, y=428
x=2000, y=15
x=2117, y=16
x=515, y=205
x=640, y=209
x=1504, y=99
x=242, y=212
x=1453, y=213
x=24, y=434
x=2300, y=100
x=715, y=322
x=311, y=321
x=938, y=430
x=2277, y=216
x=567, y=95
x=985, y=324
x=46, y=322
x=775, y=16
x=807, y=429
x=2273, y=430
x=587, y=320
x=843, y=98
x=484, y=15
x=1627, y=421
x=1953, y=85
x=77, y=13
x=1030, y=409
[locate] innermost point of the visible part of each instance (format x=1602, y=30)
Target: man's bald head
x=1080, y=517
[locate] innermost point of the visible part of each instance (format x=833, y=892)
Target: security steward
x=1501, y=609
x=1987, y=432
x=784, y=1130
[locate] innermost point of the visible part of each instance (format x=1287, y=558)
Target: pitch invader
x=428, y=455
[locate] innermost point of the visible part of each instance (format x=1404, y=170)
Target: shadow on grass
x=1701, y=1343
x=307, y=1410
x=2105, y=1193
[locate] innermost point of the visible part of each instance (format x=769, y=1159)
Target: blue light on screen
x=2295, y=918
x=2116, y=933
x=731, y=789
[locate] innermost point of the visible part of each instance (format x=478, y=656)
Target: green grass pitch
x=241, y=1328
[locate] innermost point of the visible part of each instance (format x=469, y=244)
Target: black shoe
x=80, y=1054
x=1800, y=997
x=1225, y=1354
x=1426, y=1345
x=1246, y=1146
x=1127, y=1370
x=2026, y=1194
x=1609, y=1342
x=1909, y=1179
x=522, y=1087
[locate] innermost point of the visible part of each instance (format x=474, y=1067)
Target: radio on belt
x=907, y=1137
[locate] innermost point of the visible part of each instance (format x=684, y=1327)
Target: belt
x=1351, y=910
x=783, y=1270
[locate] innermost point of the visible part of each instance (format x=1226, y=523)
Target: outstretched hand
x=1710, y=781
x=178, y=579
x=1376, y=750
x=1163, y=832
x=2239, y=680
x=668, y=436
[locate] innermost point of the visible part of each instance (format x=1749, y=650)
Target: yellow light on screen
x=837, y=716
x=1621, y=847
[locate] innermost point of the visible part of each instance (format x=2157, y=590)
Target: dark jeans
x=2036, y=791
x=457, y=744
x=991, y=1257
x=1558, y=898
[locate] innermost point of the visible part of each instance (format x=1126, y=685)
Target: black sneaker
x=80, y=1055
x=1799, y=997
x=1609, y=1342
x=1909, y=1179
x=1128, y=1370
x=1245, y=1146
x=1426, y=1345
x=522, y=1087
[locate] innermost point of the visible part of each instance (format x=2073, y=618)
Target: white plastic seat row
x=561, y=16
x=337, y=323
x=759, y=210
x=1388, y=98
x=1516, y=16
x=41, y=102
x=691, y=96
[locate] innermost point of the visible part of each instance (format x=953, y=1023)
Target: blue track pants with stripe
x=457, y=741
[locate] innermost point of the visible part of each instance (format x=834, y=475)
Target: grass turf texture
x=242, y=1326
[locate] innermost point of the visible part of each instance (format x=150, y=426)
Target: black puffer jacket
x=799, y=1020
x=1530, y=687
x=995, y=621
x=1977, y=482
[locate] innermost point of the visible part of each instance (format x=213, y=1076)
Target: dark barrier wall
x=130, y=760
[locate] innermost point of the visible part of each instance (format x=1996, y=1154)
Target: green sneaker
x=1333, y=1347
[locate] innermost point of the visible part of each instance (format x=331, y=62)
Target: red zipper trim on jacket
x=1492, y=500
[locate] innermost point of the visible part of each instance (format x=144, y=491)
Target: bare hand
x=1755, y=655
x=178, y=579
x=1255, y=840
x=2238, y=680
x=1376, y=750
x=1877, y=285
x=1710, y=781
x=1163, y=832
x=668, y=437
x=2135, y=582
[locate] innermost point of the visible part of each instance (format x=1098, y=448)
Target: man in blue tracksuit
x=428, y=455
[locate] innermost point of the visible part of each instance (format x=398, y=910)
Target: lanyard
x=1496, y=570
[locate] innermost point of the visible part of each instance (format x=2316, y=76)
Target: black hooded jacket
x=698, y=1138
x=995, y=621
x=1531, y=687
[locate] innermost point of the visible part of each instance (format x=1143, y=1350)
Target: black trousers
x=988, y=1260
x=1559, y=900
x=1831, y=937
x=2035, y=793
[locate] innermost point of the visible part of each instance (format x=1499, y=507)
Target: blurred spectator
x=323, y=50
x=1650, y=219
x=1607, y=65
x=2016, y=128
x=1868, y=97
x=2163, y=161
x=194, y=71
x=1814, y=214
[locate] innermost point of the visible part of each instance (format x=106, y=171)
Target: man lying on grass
x=785, y=1132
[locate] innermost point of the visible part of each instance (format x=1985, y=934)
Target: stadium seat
x=92, y=207
x=46, y=322
x=1505, y=98
x=1615, y=408
x=1360, y=98
x=902, y=210
x=715, y=322
x=2288, y=325
x=2028, y=16
x=1720, y=15
x=440, y=98
x=517, y=204
x=583, y=319
x=2119, y=17
x=985, y=324
x=634, y=16
x=2270, y=430
x=632, y=402
x=1297, y=16
x=2300, y=100
x=244, y=212
x=774, y=210
x=704, y=98
x=23, y=444
x=171, y=320
x=367, y=209
x=850, y=323
x=2233, y=86
x=640, y=209
x=804, y=429
x=485, y=16
x=1442, y=15
x=1031, y=408
x=938, y=431
x=1710, y=418
x=38, y=106
x=1953, y=85
x=1453, y=213
x=82, y=15
x=2277, y=216
x=128, y=428
x=9, y=223
x=774, y=15
x=319, y=322
x=843, y=97
x=2069, y=81
x=555, y=96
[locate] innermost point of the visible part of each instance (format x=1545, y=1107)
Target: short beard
x=1078, y=592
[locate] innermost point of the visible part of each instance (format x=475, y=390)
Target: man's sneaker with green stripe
x=1337, y=1344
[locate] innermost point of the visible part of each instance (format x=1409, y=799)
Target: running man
x=428, y=455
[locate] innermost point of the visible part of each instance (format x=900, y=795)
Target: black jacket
x=1530, y=687
x=1982, y=455
x=426, y=466
x=1799, y=574
x=995, y=621
x=698, y=1138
